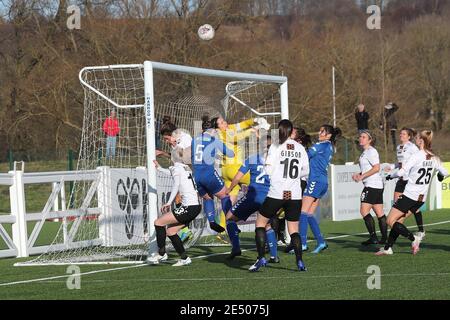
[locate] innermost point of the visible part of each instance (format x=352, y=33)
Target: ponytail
x=167, y=127
x=302, y=137
x=427, y=137
x=334, y=131
x=214, y=124
x=285, y=128
x=206, y=123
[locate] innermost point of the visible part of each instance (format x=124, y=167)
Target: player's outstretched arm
x=304, y=173
x=442, y=173
x=375, y=169
x=270, y=160
x=161, y=169
x=221, y=147
x=237, y=178
x=244, y=134
x=175, y=188
x=245, y=124
x=406, y=167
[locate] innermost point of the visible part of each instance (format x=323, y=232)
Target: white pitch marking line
x=68, y=275
x=307, y=276
x=199, y=257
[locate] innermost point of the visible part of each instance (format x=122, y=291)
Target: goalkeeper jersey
x=233, y=138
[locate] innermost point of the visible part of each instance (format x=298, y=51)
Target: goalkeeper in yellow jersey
x=232, y=135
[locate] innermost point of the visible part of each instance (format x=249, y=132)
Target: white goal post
x=142, y=94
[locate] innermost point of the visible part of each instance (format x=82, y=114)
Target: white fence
x=21, y=244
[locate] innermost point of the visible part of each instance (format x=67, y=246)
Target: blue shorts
x=208, y=182
x=247, y=205
x=316, y=189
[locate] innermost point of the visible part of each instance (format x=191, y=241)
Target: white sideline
x=47, y=279
x=68, y=275
x=299, y=275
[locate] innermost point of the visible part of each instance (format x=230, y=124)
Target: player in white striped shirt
x=173, y=221
x=286, y=164
x=405, y=150
x=419, y=169
x=372, y=195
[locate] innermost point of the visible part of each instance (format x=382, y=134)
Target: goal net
x=114, y=206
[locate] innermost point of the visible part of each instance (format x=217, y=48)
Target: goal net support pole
x=151, y=153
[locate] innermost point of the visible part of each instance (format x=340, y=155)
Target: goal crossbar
x=242, y=76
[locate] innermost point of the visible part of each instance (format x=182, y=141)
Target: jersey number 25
x=424, y=173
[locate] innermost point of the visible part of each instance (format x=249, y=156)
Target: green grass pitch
x=338, y=273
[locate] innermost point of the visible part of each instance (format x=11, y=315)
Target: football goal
x=124, y=109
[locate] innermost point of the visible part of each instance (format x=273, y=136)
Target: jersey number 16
x=291, y=167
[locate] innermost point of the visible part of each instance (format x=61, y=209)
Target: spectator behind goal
x=111, y=128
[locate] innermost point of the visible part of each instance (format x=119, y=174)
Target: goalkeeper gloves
x=440, y=177
x=262, y=123
x=389, y=177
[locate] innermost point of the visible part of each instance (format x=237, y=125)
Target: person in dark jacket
x=362, y=118
x=391, y=123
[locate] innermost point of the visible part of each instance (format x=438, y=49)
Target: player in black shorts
x=286, y=163
x=419, y=169
x=372, y=195
x=405, y=151
x=170, y=222
x=300, y=135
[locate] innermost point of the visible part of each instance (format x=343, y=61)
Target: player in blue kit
x=209, y=183
x=320, y=156
x=257, y=191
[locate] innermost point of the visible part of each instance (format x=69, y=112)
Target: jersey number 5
x=424, y=173
x=290, y=167
x=199, y=153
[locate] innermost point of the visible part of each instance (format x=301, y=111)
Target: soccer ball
x=206, y=32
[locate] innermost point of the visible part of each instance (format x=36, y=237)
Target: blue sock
x=304, y=227
x=233, y=233
x=210, y=210
x=226, y=204
x=315, y=229
x=272, y=241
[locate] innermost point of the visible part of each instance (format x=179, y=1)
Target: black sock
x=419, y=220
x=297, y=244
x=370, y=225
x=281, y=228
x=276, y=226
x=403, y=230
x=161, y=239
x=178, y=245
x=383, y=227
x=260, y=238
x=393, y=235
